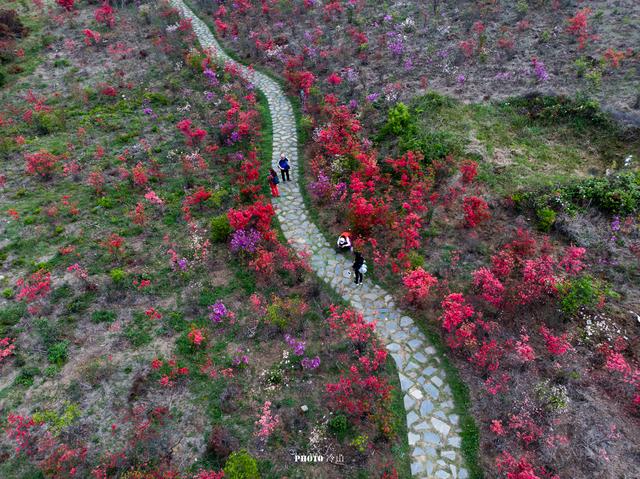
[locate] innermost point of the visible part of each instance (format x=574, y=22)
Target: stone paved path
x=433, y=431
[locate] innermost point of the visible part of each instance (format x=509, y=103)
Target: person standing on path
x=284, y=167
x=273, y=182
x=357, y=267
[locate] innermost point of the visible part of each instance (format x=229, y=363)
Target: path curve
x=433, y=429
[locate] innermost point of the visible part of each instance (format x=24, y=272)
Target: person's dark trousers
x=283, y=173
x=358, y=275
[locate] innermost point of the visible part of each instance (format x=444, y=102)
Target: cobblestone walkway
x=433, y=431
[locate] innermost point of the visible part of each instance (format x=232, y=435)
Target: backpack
x=363, y=268
x=276, y=180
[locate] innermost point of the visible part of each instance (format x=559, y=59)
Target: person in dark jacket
x=357, y=265
x=273, y=182
x=284, y=167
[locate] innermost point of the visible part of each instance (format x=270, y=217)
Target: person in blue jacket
x=284, y=167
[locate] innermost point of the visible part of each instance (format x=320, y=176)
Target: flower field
x=163, y=315
x=509, y=225
x=153, y=322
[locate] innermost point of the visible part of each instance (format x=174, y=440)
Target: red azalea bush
x=41, y=163
x=66, y=4
x=105, y=15
x=418, y=283
x=476, y=211
x=362, y=392
x=35, y=287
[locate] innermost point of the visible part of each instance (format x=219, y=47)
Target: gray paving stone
x=408, y=402
x=442, y=427
x=454, y=441
x=432, y=438
x=432, y=391
x=413, y=438
x=411, y=418
x=426, y=407
x=417, y=467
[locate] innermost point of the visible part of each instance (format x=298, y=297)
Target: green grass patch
x=526, y=142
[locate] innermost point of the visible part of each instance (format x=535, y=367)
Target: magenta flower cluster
x=297, y=346
x=310, y=363
x=245, y=240
x=321, y=188
x=217, y=311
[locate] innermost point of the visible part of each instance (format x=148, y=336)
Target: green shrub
x=360, y=443
x=275, y=374
x=241, y=465
x=80, y=303
x=138, y=331
x=546, y=219
x=58, y=422
x=61, y=63
x=220, y=228
x=61, y=293
x=58, y=353
x=105, y=202
x=339, y=426
x=175, y=320
x=560, y=109
x=584, y=291
x=7, y=293
x=415, y=259
x=118, y=276
x=48, y=331
x=619, y=194
x=48, y=122
x=215, y=201
x=616, y=194
x=103, y=316
x=432, y=144
x=26, y=376
x=157, y=99
x=276, y=316
x=399, y=120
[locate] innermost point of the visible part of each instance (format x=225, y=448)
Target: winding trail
x=433, y=429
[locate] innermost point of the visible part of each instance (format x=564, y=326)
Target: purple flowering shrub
x=321, y=188
x=245, y=240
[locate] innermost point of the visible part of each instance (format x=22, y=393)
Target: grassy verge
x=460, y=391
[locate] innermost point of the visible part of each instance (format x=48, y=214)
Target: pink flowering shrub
x=196, y=336
x=267, y=422
x=491, y=287
x=35, y=287
x=7, y=347
x=556, y=345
